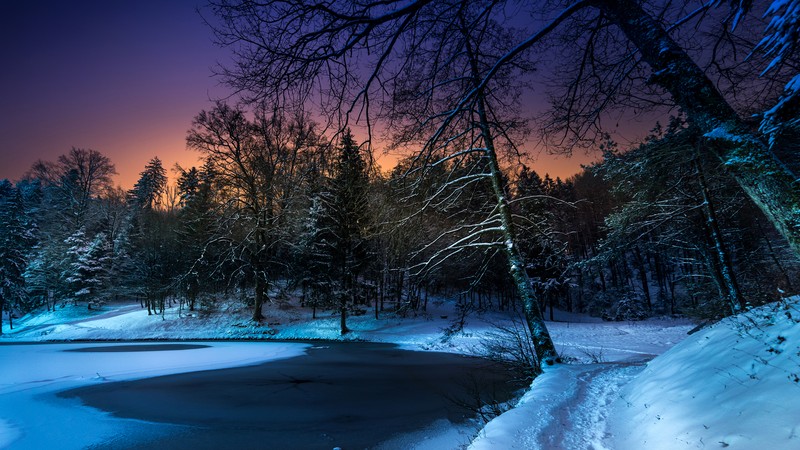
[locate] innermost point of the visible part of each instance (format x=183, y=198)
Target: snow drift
x=732, y=385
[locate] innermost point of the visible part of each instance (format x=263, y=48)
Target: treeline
x=662, y=228
x=277, y=207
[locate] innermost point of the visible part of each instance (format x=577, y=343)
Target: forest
x=697, y=219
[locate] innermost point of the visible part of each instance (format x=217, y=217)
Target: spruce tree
x=343, y=222
x=15, y=241
x=91, y=260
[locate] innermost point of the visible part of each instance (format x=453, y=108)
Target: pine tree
x=195, y=228
x=343, y=223
x=91, y=259
x=147, y=192
x=15, y=241
x=152, y=239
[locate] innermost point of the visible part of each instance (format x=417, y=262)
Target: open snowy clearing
x=578, y=337
x=729, y=385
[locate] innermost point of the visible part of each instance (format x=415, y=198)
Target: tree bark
x=343, y=315
x=261, y=287
x=721, y=253
x=642, y=268
x=761, y=175
x=543, y=344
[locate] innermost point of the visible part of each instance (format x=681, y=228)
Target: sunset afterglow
x=124, y=79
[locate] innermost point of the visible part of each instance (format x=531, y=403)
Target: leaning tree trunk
x=543, y=344
x=721, y=253
x=761, y=175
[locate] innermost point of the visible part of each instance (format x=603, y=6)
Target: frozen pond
x=258, y=395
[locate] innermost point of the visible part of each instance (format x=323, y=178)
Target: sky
x=121, y=77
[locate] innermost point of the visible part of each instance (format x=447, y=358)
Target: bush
x=629, y=307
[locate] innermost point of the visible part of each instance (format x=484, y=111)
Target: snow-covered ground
x=577, y=336
x=733, y=385
x=727, y=385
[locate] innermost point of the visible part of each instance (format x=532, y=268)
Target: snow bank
x=520, y=427
x=580, y=338
x=735, y=384
x=732, y=385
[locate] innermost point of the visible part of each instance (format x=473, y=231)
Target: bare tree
x=438, y=86
x=81, y=174
x=256, y=167
x=437, y=72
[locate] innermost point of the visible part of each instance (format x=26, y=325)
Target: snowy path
x=580, y=423
x=571, y=404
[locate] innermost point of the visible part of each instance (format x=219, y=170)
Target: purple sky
x=124, y=78
x=121, y=77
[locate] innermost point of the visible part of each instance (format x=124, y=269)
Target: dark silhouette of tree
x=342, y=222
x=16, y=238
x=257, y=168
x=80, y=175
x=195, y=231
x=151, y=186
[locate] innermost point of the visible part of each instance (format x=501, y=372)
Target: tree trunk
x=642, y=268
x=261, y=288
x=721, y=252
x=542, y=342
x=764, y=179
x=343, y=314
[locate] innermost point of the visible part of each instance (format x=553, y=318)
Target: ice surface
x=31, y=372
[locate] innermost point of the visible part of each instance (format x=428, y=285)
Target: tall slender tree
x=343, y=223
x=16, y=238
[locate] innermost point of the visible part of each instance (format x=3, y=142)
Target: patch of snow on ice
x=37, y=371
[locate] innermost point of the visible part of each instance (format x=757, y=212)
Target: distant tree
x=670, y=202
x=151, y=186
x=89, y=267
x=16, y=238
x=342, y=224
x=538, y=205
x=151, y=239
x=80, y=175
x=313, y=271
x=258, y=167
x=195, y=231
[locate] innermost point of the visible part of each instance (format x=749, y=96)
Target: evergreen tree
x=342, y=224
x=195, y=229
x=91, y=259
x=152, y=183
x=15, y=241
x=151, y=239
